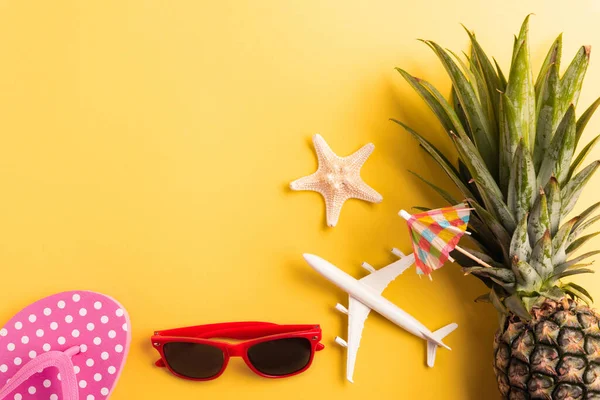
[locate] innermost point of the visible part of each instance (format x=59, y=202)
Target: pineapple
x=518, y=169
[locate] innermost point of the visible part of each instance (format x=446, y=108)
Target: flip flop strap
x=60, y=360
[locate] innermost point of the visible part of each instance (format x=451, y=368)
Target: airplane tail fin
x=438, y=335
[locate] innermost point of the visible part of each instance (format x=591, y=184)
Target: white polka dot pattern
x=96, y=323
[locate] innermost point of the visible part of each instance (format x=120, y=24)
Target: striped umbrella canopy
x=435, y=234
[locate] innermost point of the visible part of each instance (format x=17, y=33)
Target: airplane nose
x=311, y=259
x=322, y=266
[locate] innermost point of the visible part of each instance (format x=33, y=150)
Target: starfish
x=338, y=179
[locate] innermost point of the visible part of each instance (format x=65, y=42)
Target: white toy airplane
x=365, y=295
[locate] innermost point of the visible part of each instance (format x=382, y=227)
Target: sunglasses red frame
x=251, y=333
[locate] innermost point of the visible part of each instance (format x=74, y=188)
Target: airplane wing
x=378, y=280
x=358, y=312
x=357, y=315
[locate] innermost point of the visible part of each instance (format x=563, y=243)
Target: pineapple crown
x=517, y=168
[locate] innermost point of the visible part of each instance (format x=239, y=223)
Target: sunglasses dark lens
x=281, y=356
x=194, y=360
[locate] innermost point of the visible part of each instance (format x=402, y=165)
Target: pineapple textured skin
x=555, y=355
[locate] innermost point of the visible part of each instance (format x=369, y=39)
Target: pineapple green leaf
x=439, y=158
x=461, y=124
x=524, y=31
x=484, y=238
x=508, y=287
x=576, y=260
x=509, y=140
x=499, y=208
x=500, y=275
x=559, y=269
x=575, y=233
x=554, y=201
x=530, y=300
x=571, y=272
x=488, y=105
x=581, y=156
x=580, y=242
x=496, y=301
x=541, y=256
x=516, y=44
x=472, y=74
x=514, y=304
x=460, y=112
x=553, y=57
x=546, y=123
x=467, y=178
x=561, y=240
x=484, y=243
x=437, y=108
x=472, y=56
x=558, y=156
x=465, y=262
x=499, y=306
x=570, y=83
x=570, y=193
x=519, y=244
x=490, y=78
x=527, y=278
x=486, y=184
x=585, y=118
x=520, y=89
x=520, y=39
x=579, y=266
x=581, y=290
x=586, y=214
x=539, y=219
x=444, y=194
x=522, y=184
x=495, y=226
x=575, y=294
x=484, y=298
x=486, y=258
x=463, y=171
x=501, y=77
x=475, y=164
x=481, y=129
x=554, y=293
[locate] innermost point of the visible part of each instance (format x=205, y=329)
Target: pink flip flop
x=68, y=346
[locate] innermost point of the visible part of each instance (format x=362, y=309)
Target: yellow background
x=146, y=148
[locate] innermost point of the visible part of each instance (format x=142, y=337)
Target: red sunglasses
x=270, y=350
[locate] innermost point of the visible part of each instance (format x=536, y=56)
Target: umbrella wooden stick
x=472, y=257
x=465, y=252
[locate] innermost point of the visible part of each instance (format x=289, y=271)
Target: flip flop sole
x=93, y=321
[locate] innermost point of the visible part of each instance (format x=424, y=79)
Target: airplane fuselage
x=371, y=299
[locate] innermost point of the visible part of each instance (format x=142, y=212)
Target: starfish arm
x=356, y=160
x=325, y=156
x=338, y=179
x=310, y=182
x=333, y=207
x=362, y=191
